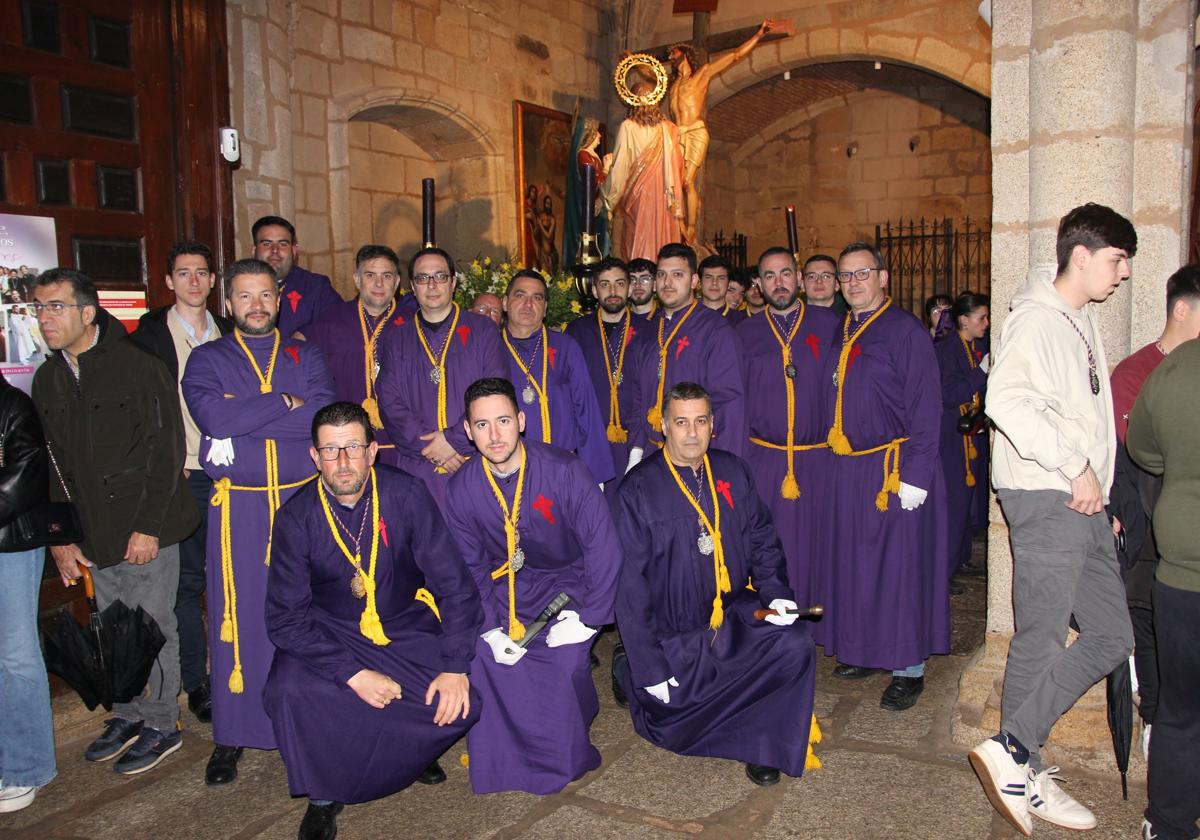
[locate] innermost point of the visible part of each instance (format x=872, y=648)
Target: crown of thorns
x=660, y=80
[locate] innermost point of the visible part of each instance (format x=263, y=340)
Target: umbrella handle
x=89, y=585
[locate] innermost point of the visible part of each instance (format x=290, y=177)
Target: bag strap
x=58, y=472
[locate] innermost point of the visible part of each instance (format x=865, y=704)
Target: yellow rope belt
x=654, y=415
x=370, y=339
x=969, y=450
x=790, y=450
x=891, y=468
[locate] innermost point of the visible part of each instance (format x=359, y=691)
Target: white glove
x=661, y=692
x=911, y=497
x=985, y=362
x=220, y=452
x=635, y=458
x=504, y=650
x=781, y=605
x=568, y=630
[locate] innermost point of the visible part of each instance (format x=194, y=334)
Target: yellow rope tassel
x=654, y=416
x=236, y=684
x=368, y=623
x=814, y=731
x=516, y=630
x=616, y=434
x=789, y=489
x=811, y=762
x=713, y=526
x=542, y=387
x=426, y=597
x=370, y=342
x=465, y=759
x=371, y=406
x=838, y=442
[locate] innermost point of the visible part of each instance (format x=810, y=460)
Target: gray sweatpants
x=151, y=586
x=1064, y=563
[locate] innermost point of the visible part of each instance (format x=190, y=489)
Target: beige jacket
x=1040, y=398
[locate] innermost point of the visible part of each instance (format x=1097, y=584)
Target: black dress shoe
x=902, y=693
x=200, y=702
x=620, y=662
x=853, y=672
x=320, y=821
x=432, y=775
x=762, y=776
x=222, y=765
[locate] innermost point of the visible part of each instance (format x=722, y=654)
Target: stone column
x=1091, y=102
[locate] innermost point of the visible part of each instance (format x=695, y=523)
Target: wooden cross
x=702, y=39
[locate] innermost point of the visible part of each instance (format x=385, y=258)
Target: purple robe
x=576, y=423
x=215, y=371
x=884, y=575
x=533, y=731
x=734, y=316
x=961, y=382
x=334, y=745
x=338, y=333
x=798, y=521
x=704, y=351
x=408, y=397
x=303, y=296
x=648, y=318
x=746, y=691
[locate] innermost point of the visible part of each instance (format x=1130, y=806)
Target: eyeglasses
x=55, y=307
x=860, y=274
x=640, y=279
x=441, y=279
x=354, y=451
x=825, y=276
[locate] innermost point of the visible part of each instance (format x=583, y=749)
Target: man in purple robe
x=351, y=335
x=705, y=674
x=253, y=394
x=425, y=367
x=715, y=273
x=347, y=606
x=642, y=304
x=531, y=524
x=303, y=295
x=686, y=342
x=604, y=338
x=785, y=354
x=551, y=378
x=884, y=567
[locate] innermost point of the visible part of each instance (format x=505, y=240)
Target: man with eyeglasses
x=883, y=571
x=785, y=352
x=820, y=283
x=369, y=681
x=489, y=306
x=426, y=366
x=110, y=412
x=642, y=303
x=548, y=371
x=352, y=333
x=171, y=333
x=303, y=294
x=253, y=394
x=605, y=338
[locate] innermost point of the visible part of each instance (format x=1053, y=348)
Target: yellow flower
x=563, y=285
x=562, y=326
x=487, y=260
x=475, y=265
x=575, y=307
x=505, y=267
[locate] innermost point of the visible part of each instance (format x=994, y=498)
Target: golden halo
x=660, y=80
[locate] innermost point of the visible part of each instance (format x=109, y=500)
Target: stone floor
x=885, y=775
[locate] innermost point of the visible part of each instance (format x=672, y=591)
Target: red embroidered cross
x=854, y=354
x=630, y=333
x=383, y=533
x=294, y=353
x=543, y=505
x=680, y=344
x=398, y=320
x=294, y=299
x=463, y=332
x=553, y=351
x=723, y=489
x=814, y=344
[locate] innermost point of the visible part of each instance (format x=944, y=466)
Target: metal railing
x=733, y=249
x=926, y=258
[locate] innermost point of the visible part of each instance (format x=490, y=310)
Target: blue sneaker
x=118, y=735
x=151, y=748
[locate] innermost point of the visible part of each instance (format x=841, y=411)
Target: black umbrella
x=110, y=660
x=1119, y=694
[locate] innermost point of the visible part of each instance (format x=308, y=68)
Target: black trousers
x=1145, y=661
x=1174, y=782
x=189, y=599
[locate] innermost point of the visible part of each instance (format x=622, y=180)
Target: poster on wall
x=126, y=305
x=27, y=247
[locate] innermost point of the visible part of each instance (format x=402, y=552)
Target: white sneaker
x=1048, y=801
x=1146, y=741
x=1004, y=782
x=1148, y=832
x=16, y=798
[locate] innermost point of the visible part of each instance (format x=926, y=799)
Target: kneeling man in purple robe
x=709, y=671
x=532, y=525
x=368, y=687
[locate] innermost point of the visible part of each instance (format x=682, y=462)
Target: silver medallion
x=704, y=542
x=1094, y=381
x=518, y=559
x=527, y=395
x=435, y=376
x=357, y=587
x=790, y=371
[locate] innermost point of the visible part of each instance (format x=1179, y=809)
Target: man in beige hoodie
x=1052, y=466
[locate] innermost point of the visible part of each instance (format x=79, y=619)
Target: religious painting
x=543, y=150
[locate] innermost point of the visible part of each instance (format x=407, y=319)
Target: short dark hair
x=738, y=275
x=640, y=264
x=425, y=252
x=342, y=414
x=776, y=250
x=250, y=265
x=820, y=258
x=532, y=275
x=491, y=386
x=189, y=247
x=681, y=391
x=610, y=263
x=677, y=250
x=82, y=286
x=934, y=301
x=273, y=221
x=861, y=247
x=1184, y=283
x=715, y=261
x=374, y=252
x=966, y=303
x=1093, y=226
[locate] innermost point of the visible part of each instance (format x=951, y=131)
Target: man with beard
x=347, y=607
x=303, y=295
x=531, y=524
x=426, y=365
x=784, y=354
x=642, y=303
x=548, y=369
x=604, y=340
x=686, y=342
x=253, y=394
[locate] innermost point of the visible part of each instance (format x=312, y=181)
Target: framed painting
x=543, y=151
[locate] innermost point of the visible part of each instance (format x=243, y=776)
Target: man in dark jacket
x=171, y=333
x=111, y=416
